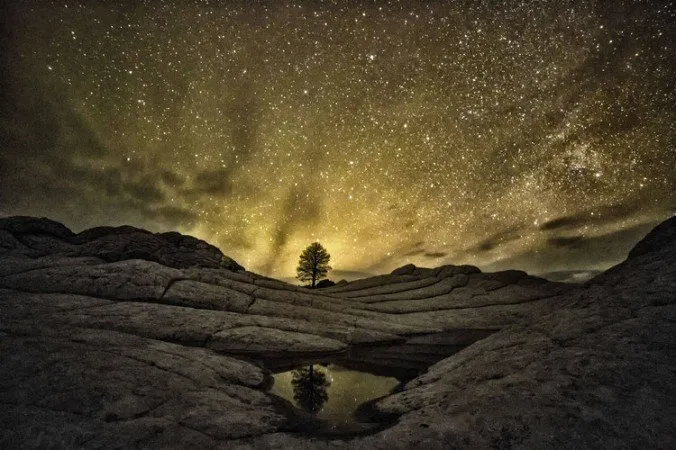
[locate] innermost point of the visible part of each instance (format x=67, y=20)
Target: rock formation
x=118, y=337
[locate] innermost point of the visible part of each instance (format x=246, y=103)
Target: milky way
x=531, y=135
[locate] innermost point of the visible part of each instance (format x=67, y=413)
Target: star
x=437, y=133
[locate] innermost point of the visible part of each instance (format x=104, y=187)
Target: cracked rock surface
x=118, y=337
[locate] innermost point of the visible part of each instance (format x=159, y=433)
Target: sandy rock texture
x=118, y=337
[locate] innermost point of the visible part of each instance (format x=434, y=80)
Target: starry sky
x=536, y=135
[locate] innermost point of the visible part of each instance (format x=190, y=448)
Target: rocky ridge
x=121, y=337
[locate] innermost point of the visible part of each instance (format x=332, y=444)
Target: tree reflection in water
x=309, y=388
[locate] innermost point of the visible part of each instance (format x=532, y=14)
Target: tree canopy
x=313, y=263
x=310, y=389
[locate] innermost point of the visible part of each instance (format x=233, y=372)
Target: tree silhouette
x=313, y=263
x=309, y=389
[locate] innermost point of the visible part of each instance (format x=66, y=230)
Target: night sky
x=531, y=135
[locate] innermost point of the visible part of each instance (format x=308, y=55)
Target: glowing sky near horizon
x=532, y=135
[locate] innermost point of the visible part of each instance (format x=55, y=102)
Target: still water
x=331, y=392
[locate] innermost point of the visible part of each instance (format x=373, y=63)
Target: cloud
x=497, y=239
x=599, y=215
x=241, y=116
x=52, y=156
x=434, y=254
x=576, y=252
x=170, y=178
x=573, y=241
x=300, y=209
x=212, y=182
x=404, y=254
x=423, y=252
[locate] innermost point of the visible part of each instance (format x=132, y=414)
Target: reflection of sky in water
x=348, y=390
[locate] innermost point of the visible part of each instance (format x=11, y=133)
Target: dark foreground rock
x=33, y=237
x=117, y=337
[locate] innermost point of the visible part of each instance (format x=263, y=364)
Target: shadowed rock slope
x=118, y=337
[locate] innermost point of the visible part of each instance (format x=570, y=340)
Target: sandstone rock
x=238, y=281
x=411, y=292
x=33, y=226
x=202, y=295
x=188, y=326
x=31, y=308
x=589, y=373
x=84, y=386
x=408, y=269
x=124, y=280
x=41, y=245
x=270, y=308
x=15, y=264
x=389, y=288
x=132, y=244
x=269, y=340
x=144, y=352
x=365, y=283
x=40, y=237
x=450, y=271
x=9, y=242
x=441, y=272
x=93, y=234
x=663, y=236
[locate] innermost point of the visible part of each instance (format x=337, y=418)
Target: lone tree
x=313, y=263
x=310, y=389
